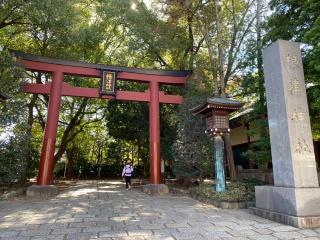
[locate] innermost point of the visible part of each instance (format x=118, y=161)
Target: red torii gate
x=57, y=88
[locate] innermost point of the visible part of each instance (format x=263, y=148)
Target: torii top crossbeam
x=44, y=64
x=57, y=88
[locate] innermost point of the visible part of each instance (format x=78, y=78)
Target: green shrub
x=11, y=161
x=236, y=191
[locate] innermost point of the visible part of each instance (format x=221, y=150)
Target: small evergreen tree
x=192, y=149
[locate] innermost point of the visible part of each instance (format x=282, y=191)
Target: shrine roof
x=217, y=102
x=160, y=72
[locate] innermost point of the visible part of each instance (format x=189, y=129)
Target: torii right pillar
x=155, y=187
x=295, y=197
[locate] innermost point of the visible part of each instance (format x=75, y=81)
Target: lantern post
x=216, y=111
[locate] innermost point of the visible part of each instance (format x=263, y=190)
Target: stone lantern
x=216, y=111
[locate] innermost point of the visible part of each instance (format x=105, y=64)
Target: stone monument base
x=155, y=189
x=42, y=191
x=299, y=222
x=298, y=207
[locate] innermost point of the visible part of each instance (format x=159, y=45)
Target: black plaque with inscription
x=108, y=83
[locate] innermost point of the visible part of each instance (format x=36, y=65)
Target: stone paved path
x=105, y=210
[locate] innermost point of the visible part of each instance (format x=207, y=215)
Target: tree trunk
x=145, y=162
x=259, y=54
x=205, y=32
x=249, y=142
x=26, y=155
x=99, y=158
x=229, y=157
x=138, y=154
x=27, y=145
x=191, y=41
x=70, y=156
x=75, y=121
x=220, y=48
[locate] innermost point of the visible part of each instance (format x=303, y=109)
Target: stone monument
x=295, y=197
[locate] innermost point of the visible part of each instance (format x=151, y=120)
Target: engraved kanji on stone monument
x=294, y=86
x=298, y=115
x=302, y=146
x=292, y=62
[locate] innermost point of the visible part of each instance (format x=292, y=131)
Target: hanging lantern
x=216, y=111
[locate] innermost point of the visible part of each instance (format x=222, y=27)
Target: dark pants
x=128, y=181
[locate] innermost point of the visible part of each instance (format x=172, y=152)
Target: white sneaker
x=127, y=188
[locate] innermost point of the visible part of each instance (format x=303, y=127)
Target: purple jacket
x=127, y=170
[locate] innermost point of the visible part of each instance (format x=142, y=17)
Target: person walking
x=127, y=173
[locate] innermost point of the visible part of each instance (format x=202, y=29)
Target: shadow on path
x=105, y=210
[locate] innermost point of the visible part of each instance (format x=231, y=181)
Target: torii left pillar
x=44, y=185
